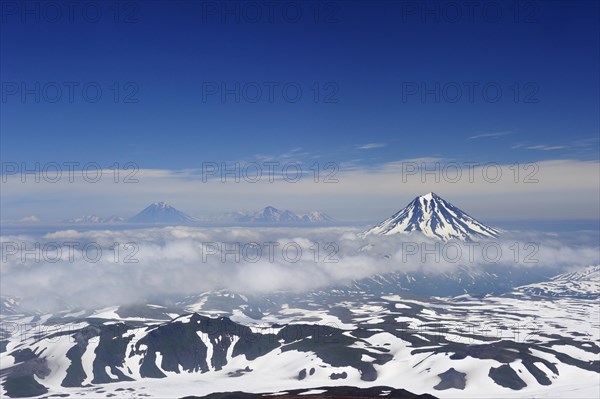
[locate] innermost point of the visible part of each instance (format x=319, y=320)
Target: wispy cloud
x=297, y=155
x=370, y=146
x=494, y=135
x=587, y=143
x=543, y=147
x=421, y=161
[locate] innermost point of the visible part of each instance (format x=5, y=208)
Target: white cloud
x=490, y=135
x=371, y=146
x=542, y=147
x=174, y=261
x=29, y=219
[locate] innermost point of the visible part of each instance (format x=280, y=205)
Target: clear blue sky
x=369, y=50
x=165, y=64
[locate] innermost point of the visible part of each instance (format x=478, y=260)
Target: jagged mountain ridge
x=583, y=284
x=161, y=212
x=271, y=214
x=94, y=219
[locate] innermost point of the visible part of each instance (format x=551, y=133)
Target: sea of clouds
x=96, y=268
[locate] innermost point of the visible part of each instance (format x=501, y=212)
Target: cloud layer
x=159, y=263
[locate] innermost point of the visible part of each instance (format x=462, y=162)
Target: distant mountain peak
x=434, y=217
x=270, y=214
x=316, y=216
x=161, y=212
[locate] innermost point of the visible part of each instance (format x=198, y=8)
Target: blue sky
x=369, y=60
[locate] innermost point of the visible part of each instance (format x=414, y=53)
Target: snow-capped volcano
x=161, y=212
x=434, y=217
